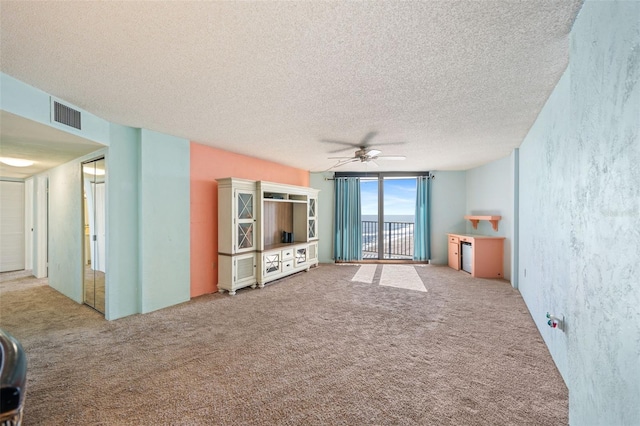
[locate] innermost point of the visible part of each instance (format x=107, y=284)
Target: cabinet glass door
x=301, y=255
x=245, y=214
x=312, y=228
x=271, y=263
x=245, y=235
x=245, y=205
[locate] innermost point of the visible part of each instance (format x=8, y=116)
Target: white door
x=28, y=224
x=11, y=226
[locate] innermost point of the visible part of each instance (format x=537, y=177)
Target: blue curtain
x=348, y=223
x=422, y=234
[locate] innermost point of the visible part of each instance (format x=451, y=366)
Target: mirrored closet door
x=94, y=253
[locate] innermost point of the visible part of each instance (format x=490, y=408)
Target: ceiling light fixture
x=16, y=162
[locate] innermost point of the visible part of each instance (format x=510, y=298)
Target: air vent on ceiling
x=65, y=115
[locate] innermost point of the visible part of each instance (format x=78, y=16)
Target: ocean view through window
x=393, y=237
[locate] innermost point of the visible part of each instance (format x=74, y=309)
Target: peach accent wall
x=207, y=165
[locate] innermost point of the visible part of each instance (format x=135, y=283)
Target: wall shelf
x=493, y=219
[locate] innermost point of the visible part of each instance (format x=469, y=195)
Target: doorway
x=12, y=251
x=393, y=199
x=94, y=233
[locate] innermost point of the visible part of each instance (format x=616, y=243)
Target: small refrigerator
x=467, y=257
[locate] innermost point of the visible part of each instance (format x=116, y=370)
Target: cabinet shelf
x=278, y=200
x=475, y=219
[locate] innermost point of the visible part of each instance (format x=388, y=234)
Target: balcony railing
x=397, y=240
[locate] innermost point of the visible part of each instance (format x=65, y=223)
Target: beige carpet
x=314, y=348
x=19, y=280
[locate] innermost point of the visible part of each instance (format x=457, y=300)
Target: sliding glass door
x=369, y=190
x=399, y=205
x=394, y=215
x=388, y=216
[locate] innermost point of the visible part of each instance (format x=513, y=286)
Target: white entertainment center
x=266, y=231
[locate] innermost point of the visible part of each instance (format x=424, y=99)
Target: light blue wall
x=148, y=223
x=579, y=215
x=148, y=209
x=545, y=218
x=448, y=207
x=26, y=101
x=65, y=231
x=65, y=227
x=123, y=159
x=164, y=220
x=325, y=214
x=490, y=192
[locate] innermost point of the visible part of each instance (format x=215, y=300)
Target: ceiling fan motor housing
x=367, y=155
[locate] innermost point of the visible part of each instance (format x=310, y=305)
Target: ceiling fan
x=364, y=154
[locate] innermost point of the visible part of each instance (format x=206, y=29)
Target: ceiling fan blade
x=389, y=143
x=371, y=163
x=342, y=163
x=391, y=157
x=373, y=152
x=341, y=150
x=339, y=142
x=367, y=138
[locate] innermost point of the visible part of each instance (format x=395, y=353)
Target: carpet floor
x=315, y=348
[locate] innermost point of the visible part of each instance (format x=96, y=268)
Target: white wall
x=579, y=214
x=448, y=207
x=490, y=192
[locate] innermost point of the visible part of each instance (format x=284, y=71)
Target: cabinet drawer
x=453, y=239
x=287, y=254
x=287, y=265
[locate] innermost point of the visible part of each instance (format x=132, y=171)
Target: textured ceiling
x=459, y=83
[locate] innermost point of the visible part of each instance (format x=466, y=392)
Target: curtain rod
x=429, y=175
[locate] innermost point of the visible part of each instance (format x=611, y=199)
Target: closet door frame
x=86, y=221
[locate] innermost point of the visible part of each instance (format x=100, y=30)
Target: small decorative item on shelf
x=287, y=237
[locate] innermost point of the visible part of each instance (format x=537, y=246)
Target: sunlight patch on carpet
x=365, y=274
x=401, y=276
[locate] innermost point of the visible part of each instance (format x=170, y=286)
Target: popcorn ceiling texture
x=459, y=82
